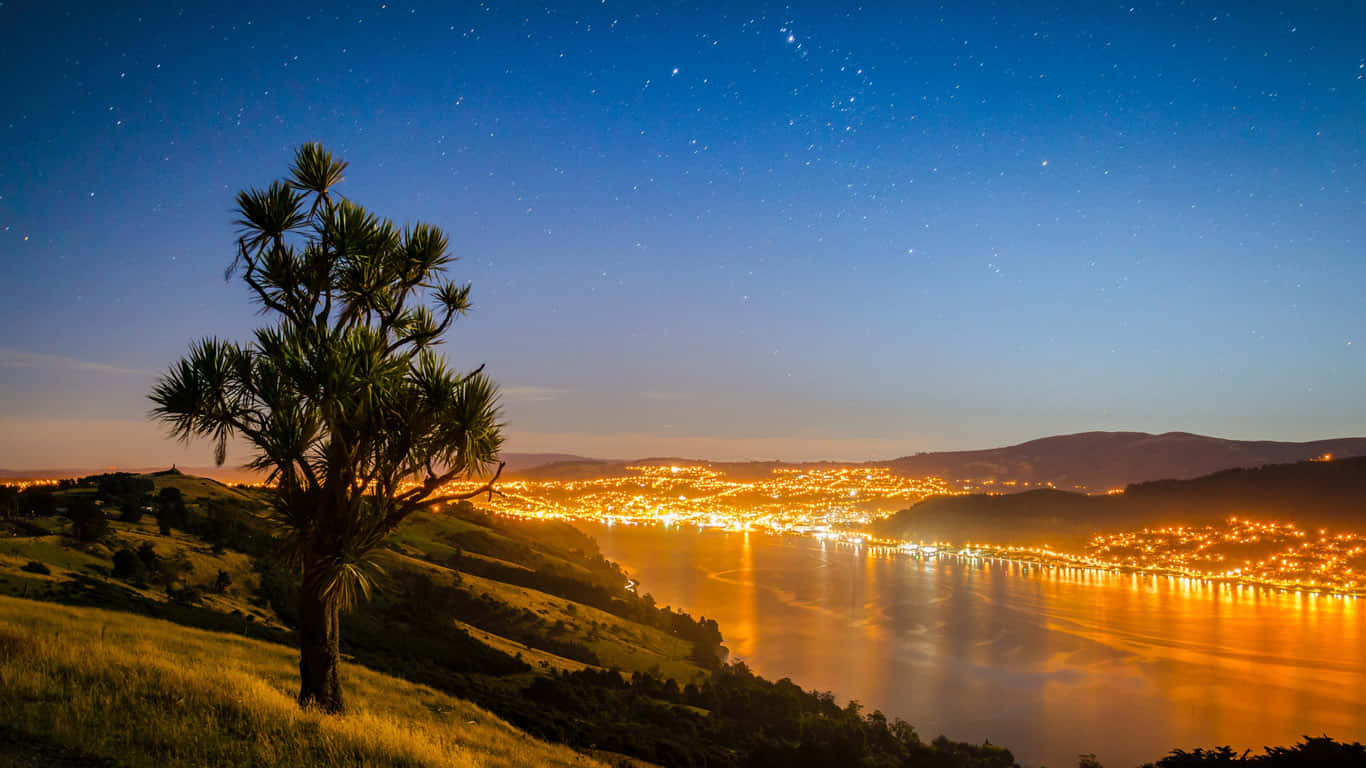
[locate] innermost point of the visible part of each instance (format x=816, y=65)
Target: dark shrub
x=128, y=566
x=151, y=561
x=171, y=510
x=221, y=583
x=88, y=522
x=130, y=512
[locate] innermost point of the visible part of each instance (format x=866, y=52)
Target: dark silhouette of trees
x=88, y=522
x=16, y=503
x=171, y=510
x=41, y=503
x=117, y=487
x=1310, y=752
x=131, y=511
x=10, y=504
x=344, y=402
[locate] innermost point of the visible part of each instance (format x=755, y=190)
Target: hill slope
x=1313, y=493
x=1099, y=461
x=144, y=692
x=523, y=618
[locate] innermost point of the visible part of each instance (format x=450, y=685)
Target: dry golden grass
x=150, y=693
x=618, y=643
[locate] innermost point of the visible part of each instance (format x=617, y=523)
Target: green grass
x=435, y=536
x=71, y=561
x=144, y=692
x=53, y=551
x=197, y=488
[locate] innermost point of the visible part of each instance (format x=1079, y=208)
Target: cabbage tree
x=347, y=407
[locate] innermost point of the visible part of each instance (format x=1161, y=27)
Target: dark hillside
x=1101, y=461
x=1310, y=493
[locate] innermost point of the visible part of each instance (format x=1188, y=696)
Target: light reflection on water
x=1049, y=662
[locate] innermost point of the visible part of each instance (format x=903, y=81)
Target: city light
x=788, y=500
x=836, y=504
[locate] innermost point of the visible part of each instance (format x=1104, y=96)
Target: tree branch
x=260, y=290
x=415, y=503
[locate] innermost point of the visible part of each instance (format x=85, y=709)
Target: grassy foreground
x=144, y=692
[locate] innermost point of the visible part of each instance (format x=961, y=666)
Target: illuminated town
x=1275, y=554
x=790, y=500
x=837, y=503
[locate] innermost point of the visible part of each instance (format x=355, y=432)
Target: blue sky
x=823, y=230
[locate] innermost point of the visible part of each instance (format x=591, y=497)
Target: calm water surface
x=1047, y=662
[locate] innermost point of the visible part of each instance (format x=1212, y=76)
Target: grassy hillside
x=524, y=619
x=144, y=692
x=472, y=604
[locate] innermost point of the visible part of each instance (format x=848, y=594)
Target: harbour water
x=1049, y=662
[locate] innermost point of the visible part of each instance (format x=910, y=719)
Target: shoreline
x=1037, y=556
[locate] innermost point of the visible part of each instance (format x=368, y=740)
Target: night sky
x=820, y=230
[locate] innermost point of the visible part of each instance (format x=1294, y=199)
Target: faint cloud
x=17, y=358
x=532, y=394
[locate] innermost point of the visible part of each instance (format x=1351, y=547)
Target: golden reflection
x=747, y=625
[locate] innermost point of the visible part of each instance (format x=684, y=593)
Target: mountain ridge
x=1091, y=462
x=1100, y=461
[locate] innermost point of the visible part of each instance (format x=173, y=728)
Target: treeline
x=18, y=503
x=735, y=718
x=1310, y=752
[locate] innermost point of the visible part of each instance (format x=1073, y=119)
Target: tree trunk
x=319, y=649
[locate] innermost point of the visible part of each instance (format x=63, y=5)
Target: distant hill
x=1100, y=461
x=517, y=462
x=587, y=469
x=1312, y=493
x=224, y=474
x=1092, y=462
